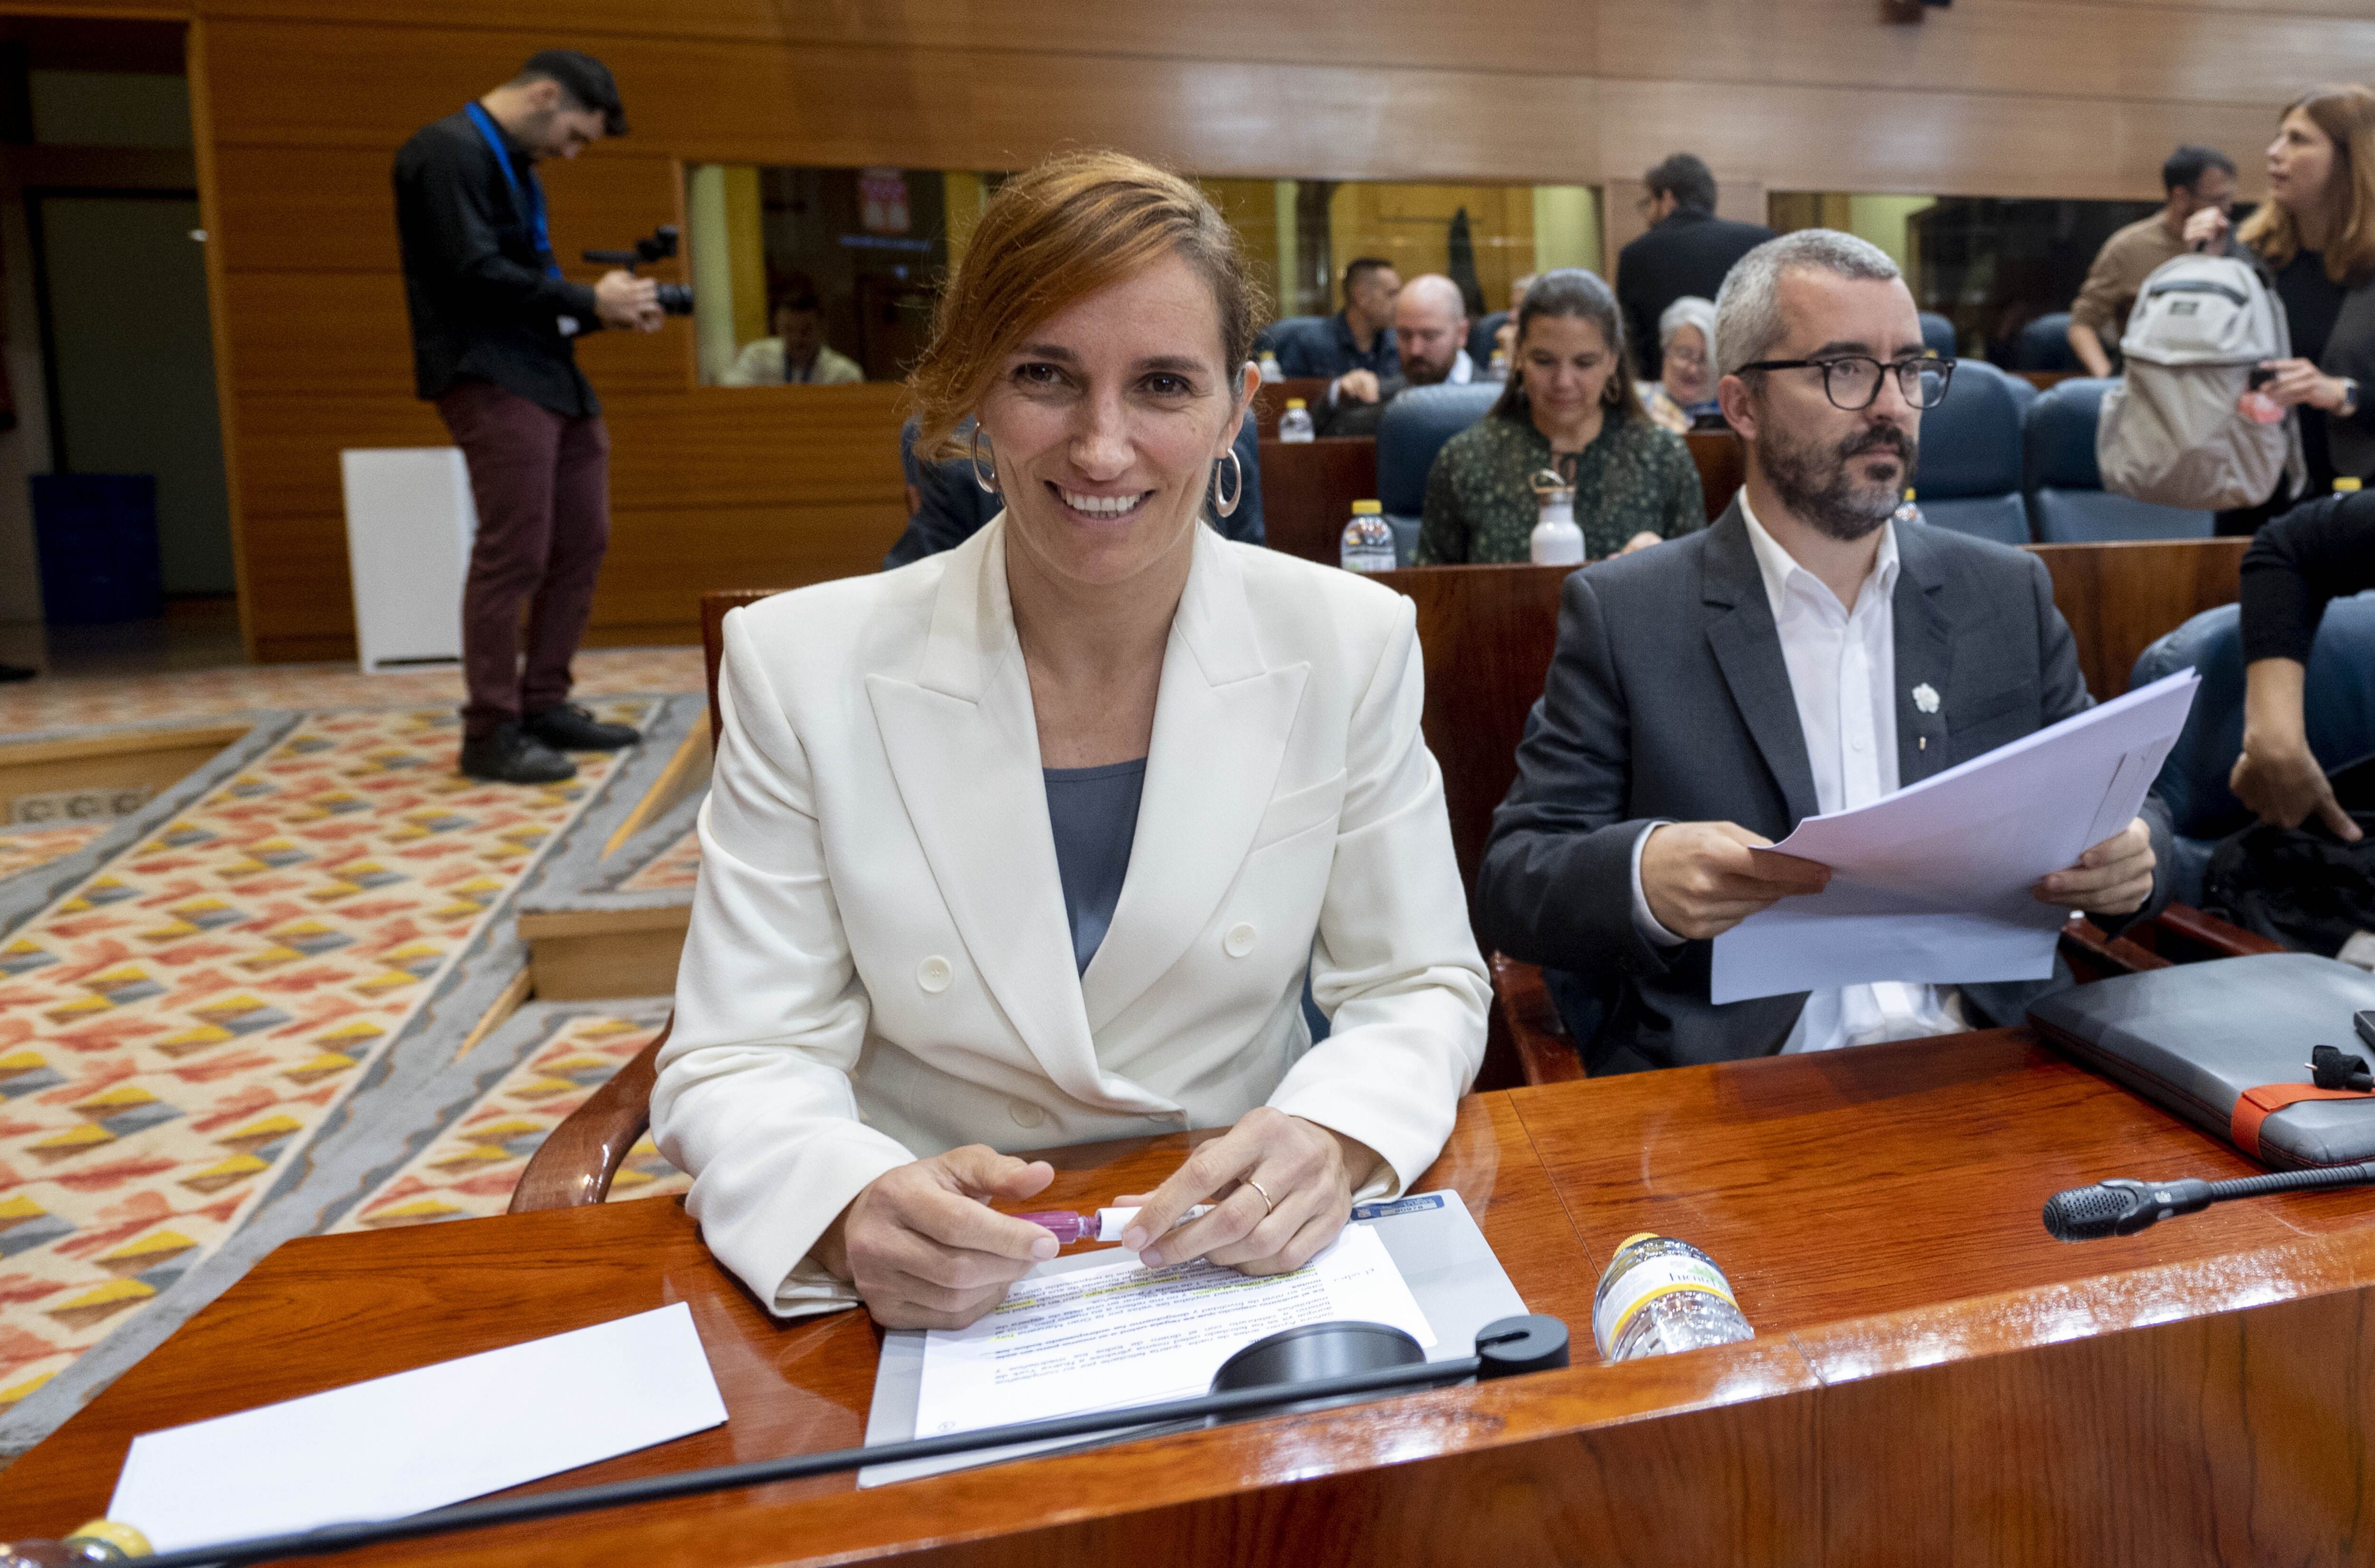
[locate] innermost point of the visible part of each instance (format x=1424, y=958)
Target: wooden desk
x=1934, y=1380
x=2119, y=597
x=1269, y=401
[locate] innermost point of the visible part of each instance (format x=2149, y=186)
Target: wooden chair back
x=1308, y=489
x=1723, y=467
x=1269, y=401
x=1485, y=633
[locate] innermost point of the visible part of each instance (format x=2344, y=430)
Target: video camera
x=676, y=298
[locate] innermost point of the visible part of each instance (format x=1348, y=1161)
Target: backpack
x=2170, y=432
x=2302, y=886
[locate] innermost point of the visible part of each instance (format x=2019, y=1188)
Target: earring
x=1228, y=507
x=983, y=474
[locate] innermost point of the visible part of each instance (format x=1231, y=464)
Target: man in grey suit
x=1804, y=655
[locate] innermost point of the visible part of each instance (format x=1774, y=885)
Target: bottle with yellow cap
x=1368, y=542
x=1295, y=423
x=1658, y=1295
x=2346, y=485
x=101, y=1540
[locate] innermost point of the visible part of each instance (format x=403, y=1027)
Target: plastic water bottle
x=1270, y=370
x=1556, y=540
x=1906, y=511
x=1660, y=1295
x=1499, y=369
x=1295, y=423
x=1368, y=543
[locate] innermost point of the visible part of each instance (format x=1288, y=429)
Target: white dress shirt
x=1843, y=673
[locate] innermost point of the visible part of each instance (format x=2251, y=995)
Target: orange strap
x=2254, y=1106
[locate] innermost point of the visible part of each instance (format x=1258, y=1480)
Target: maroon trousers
x=542, y=484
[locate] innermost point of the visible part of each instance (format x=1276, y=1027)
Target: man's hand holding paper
x=1961, y=878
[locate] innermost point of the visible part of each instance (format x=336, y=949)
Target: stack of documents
x=1931, y=885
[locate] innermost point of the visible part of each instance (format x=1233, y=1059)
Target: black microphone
x=2122, y=1206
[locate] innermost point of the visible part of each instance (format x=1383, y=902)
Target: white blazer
x=879, y=967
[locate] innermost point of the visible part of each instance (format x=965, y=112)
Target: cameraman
x=492, y=323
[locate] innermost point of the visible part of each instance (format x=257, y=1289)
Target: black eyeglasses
x=1852, y=381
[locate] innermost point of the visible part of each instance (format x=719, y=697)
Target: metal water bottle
x=1556, y=540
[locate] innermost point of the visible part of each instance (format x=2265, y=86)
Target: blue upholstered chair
x=1300, y=343
x=1969, y=477
x=1411, y=431
x=2067, y=502
x=1480, y=338
x=2340, y=711
x=2044, y=344
x=1938, y=334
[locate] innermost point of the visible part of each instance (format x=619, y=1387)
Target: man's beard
x=1816, y=483
x=1419, y=372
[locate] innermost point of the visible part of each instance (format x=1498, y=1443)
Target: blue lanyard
x=532, y=203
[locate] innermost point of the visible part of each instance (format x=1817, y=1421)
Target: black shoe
x=511, y=756
x=571, y=728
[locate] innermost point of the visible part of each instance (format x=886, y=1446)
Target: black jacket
x=2313, y=554
x=1686, y=253
x=482, y=303
x=950, y=508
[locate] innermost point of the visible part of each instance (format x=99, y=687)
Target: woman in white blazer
x=903, y=960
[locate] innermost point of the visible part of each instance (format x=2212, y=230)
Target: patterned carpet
x=73, y=702
x=674, y=869
x=174, y=1028
x=469, y=1170
x=29, y=849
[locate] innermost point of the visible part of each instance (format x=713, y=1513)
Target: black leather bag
x=2302, y=886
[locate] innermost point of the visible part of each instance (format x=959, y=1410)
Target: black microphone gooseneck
x=2122, y=1207
x=1503, y=1349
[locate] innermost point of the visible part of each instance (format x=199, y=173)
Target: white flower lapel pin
x=1925, y=697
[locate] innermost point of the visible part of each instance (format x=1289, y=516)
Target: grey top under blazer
x=1668, y=697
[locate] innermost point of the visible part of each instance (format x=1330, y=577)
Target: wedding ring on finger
x=1263, y=1192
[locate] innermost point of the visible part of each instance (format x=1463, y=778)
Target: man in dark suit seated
x=1361, y=336
x=945, y=507
x=1804, y=654
x=1687, y=251
x=1431, y=335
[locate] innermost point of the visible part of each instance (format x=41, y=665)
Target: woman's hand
x=1640, y=541
x=2207, y=230
x=2276, y=776
x=1281, y=1188
x=924, y=1249
x=2299, y=380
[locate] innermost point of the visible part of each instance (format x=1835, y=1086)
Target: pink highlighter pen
x=1070, y=1226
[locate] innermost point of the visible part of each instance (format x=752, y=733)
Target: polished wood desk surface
x=1876, y=1209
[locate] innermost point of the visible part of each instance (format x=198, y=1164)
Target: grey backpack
x=2169, y=431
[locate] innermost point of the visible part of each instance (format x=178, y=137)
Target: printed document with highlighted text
x=1123, y=1334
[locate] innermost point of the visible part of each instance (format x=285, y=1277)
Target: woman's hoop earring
x=1227, y=506
x=983, y=474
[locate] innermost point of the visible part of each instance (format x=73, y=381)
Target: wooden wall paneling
x=1494, y=35
x=2031, y=47
x=2119, y=597
x=663, y=559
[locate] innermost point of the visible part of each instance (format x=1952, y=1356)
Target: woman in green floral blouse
x=1570, y=408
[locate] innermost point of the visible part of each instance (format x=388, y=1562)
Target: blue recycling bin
x=97, y=534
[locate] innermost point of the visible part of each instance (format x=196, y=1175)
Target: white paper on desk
x=1931, y=885
x=1124, y=1333
x=422, y=1439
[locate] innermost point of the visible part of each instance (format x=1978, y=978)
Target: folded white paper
x=1931, y=885
x=423, y=1439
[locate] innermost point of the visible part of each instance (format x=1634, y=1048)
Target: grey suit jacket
x=1668, y=697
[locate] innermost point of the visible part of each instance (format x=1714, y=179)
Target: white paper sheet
x=1931, y=885
x=422, y=1439
x=1123, y=1334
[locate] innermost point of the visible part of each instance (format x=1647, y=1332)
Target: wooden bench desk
x=1934, y=1380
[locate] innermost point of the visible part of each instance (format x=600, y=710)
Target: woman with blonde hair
x=2316, y=235
x=1035, y=841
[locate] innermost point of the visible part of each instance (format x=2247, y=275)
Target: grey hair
x=1691, y=310
x=1748, y=307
